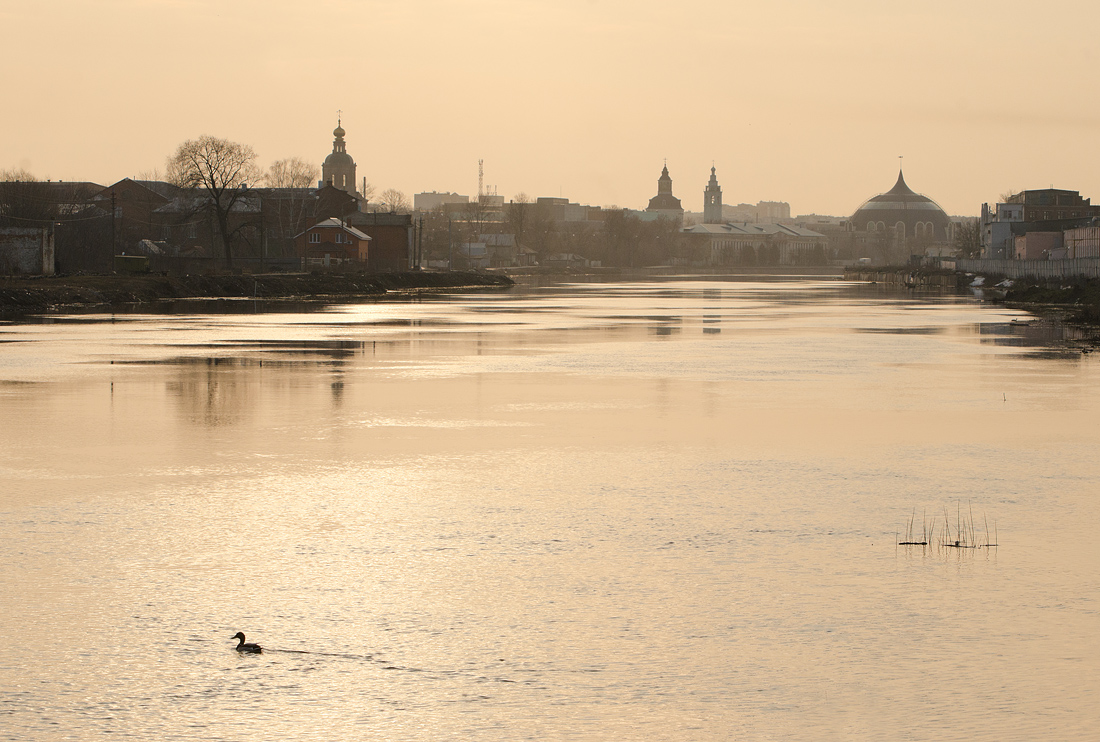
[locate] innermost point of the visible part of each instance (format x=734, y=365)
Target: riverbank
x=1080, y=301
x=22, y=295
x=907, y=277
x=1076, y=300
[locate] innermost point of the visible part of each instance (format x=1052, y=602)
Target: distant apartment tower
x=772, y=211
x=431, y=200
x=338, y=169
x=712, y=201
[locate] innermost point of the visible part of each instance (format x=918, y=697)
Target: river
x=649, y=510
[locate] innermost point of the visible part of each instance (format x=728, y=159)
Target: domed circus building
x=907, y=215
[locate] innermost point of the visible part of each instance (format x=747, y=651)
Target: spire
x=900, y=187
x=338, y=144
x=664, y=183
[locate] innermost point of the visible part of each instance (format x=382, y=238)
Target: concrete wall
x=1083, y=242
x=26, y=252
x=1077, y=268
x=1037, y=245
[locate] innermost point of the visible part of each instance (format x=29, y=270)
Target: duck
x=242, y=647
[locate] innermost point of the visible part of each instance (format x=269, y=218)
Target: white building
x=998, y=241
x=433, y=200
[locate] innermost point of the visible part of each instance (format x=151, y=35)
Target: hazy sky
x=806, y=101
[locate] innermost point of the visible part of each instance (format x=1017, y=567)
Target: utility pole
x=419, y=244
x=263, y=238
x=114, y=233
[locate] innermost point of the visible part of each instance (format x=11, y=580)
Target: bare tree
x=968, y=239
x=293, y=172
x=518, y=217
x=24, y=200
x=291, y=199
x=395, y=201
x=222, y=170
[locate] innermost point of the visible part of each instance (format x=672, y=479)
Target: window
x=314, y=237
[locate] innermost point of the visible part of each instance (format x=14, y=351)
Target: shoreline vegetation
x=38, y=294
x=1077, y=301
x=1080, y=301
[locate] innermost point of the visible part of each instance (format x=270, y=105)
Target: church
x=373, y=240
x=717, y=242
x=338, y=169
x=664, y=204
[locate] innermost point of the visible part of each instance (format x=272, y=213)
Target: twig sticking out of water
x=962, y=534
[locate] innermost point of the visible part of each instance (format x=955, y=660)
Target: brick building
x=332, y=242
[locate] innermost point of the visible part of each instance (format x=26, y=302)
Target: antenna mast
x=480, y=177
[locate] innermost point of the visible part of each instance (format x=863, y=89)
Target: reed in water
x=958, y=533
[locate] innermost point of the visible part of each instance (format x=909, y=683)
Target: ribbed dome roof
x=901, y=204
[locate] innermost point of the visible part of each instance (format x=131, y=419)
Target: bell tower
x=339, y=169
x=712, y=201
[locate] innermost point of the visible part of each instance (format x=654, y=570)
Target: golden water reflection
x=566, y=512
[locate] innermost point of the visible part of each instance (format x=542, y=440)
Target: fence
x=1075, y=268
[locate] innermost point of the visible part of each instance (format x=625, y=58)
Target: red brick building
x=332, y=242
x=391, y=246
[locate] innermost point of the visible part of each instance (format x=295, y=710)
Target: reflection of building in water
x=214, y=391
x=1049, y=333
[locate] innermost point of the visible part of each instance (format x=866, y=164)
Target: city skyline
x=586, y=99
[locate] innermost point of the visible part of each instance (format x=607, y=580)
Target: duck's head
x=239, y=635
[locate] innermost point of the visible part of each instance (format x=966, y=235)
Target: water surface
x=634, y=511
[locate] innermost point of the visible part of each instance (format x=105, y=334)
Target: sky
x=806, y=101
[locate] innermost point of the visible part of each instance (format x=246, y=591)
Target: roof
x=196, y=200
x=900, y=197
x=664, y=202
x=498, y=240
x=334, y=223
x=160, y=189
x=763, y=229
x=901, y=204
x=338, y=158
